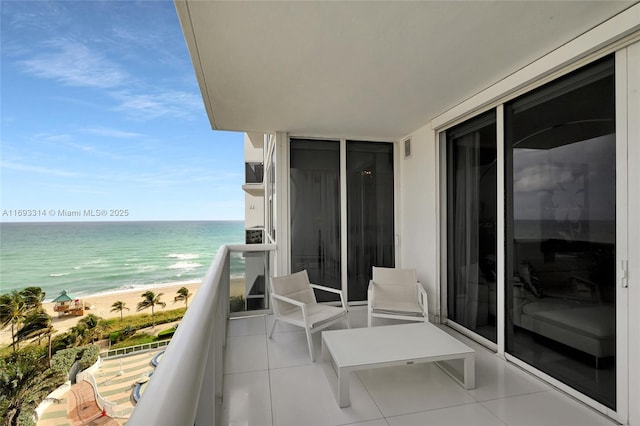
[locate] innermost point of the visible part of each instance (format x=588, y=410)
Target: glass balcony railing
x=186, y=387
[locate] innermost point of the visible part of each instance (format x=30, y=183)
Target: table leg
x=337, y=377
x=470, y=371
x=343, y=388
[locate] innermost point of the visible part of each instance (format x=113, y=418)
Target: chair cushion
x=399, y=308
x=400, y=297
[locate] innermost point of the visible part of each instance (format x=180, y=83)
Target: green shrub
x=89, y=356
x=26, y=418
x=139, y=321
x=167, y=334
x=236, y=303
x=64, y=359
x=25, y=379
x=115, y=337
x=138, y=339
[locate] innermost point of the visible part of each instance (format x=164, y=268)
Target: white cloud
x=112, y=133
x=150, y=106
x=74, y=64
x=36, y=169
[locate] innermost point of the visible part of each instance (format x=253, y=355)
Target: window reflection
x=471, y=225
x=560, y=156
x=315, y=212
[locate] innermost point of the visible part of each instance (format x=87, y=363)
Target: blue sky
x=101, y=110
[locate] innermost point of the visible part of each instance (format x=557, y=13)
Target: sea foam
x=185, y=265
x=184, y=256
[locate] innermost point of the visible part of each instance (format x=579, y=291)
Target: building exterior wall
x=253, y=201
x=253, y=151
x=254, y=211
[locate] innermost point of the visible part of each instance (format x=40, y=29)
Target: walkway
x=78, y=406
x=83, y=409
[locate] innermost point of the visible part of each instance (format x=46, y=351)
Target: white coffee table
x=349, y=350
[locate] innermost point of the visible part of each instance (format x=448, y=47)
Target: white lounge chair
x=397, y=294
x=294, y=302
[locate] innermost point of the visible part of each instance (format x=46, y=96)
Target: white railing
x=103, y=403
x=186, y=387
x=114, y=353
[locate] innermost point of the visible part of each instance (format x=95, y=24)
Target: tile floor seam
x=273, y=420
x=269, y=368
x=408, y=413
x=516, y=396
x=355, y=375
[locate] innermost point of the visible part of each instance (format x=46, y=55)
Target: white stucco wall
x=254, y=211
x=252, y=153
x=418, y=223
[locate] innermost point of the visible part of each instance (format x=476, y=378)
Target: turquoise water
x=101, y=257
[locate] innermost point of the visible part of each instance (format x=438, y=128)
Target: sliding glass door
x=369, y=213
x=559, y=312
x=560, y=157
x=315, y=212
x=316, y=179
x=471, y=225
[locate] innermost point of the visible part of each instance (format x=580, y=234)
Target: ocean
x=89, y=258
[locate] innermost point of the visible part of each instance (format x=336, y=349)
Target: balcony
x=221, y=370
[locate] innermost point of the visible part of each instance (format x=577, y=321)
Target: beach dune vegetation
x=151, y=299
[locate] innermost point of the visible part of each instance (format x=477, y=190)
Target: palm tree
x=37, y=325
x=151, y=299
x=119, y=306
x=92, y=323
x=33, y=297
x=34, y=326
x=13, y=309
x=183, y=294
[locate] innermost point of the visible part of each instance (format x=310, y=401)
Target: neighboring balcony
x=254, y=178
x=222, y=369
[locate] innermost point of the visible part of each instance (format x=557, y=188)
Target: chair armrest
x=330, y=290
x=288, y=300
x=371, y=294
x=301, y=305
x=423, y=298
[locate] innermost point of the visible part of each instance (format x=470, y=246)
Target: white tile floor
x=273, y=382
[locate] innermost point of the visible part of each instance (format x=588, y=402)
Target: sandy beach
x=101, y=305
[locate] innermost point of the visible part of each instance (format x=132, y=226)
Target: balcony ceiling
x=376, y=70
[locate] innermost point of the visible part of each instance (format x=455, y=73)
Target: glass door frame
x=622, y=115
x=343, y=203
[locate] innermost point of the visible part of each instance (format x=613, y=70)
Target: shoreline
x=101, y=304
